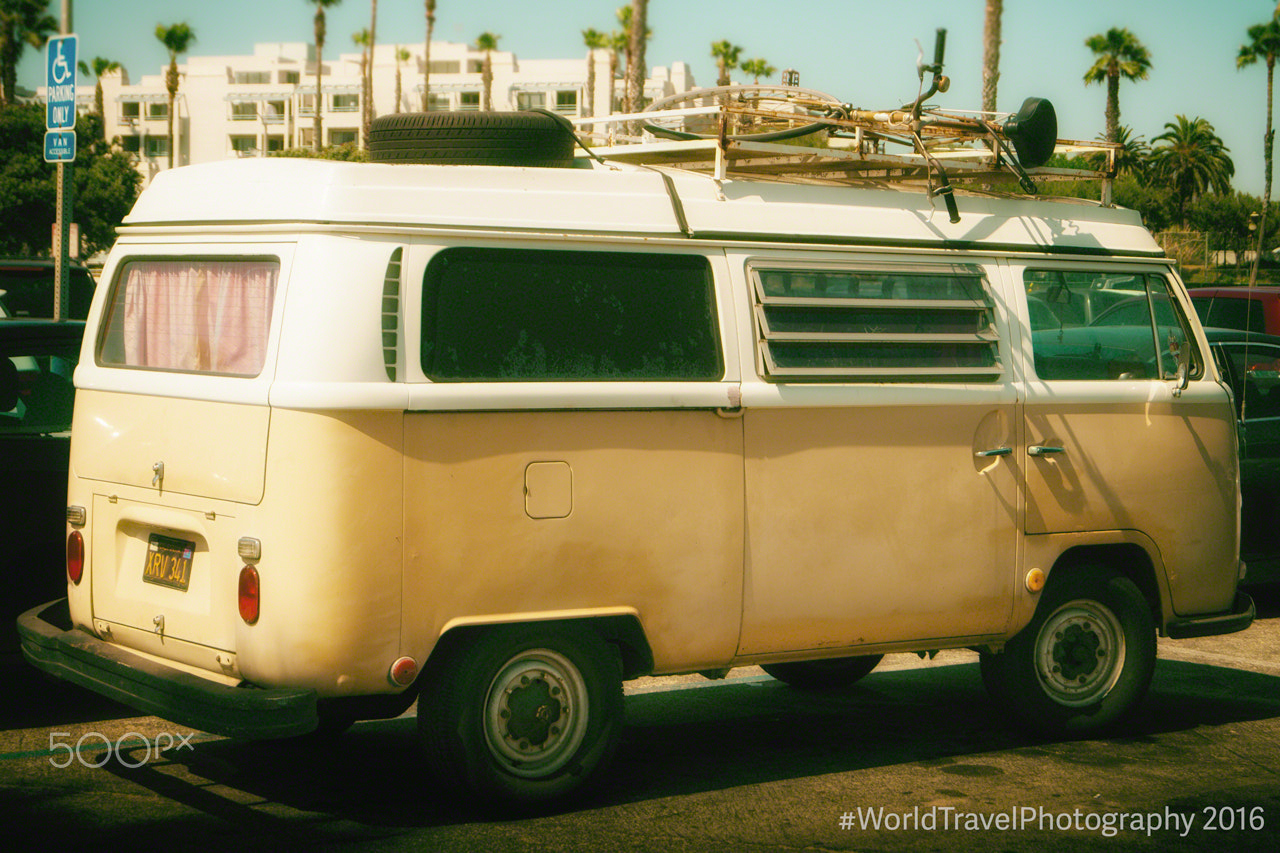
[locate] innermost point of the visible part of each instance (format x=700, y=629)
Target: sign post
x=60, y=148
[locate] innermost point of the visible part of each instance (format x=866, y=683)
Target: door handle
x=995, y=451
x=1043, y=450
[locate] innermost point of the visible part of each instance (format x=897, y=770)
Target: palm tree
x=321, y=5
x=991, y=54
x=365, y=42
x=23, y=24
x=488, y=42
x=97, y=68
x=639, y=36
x=1120, y=54
x=594, y=40
x=426, y=56
x=758, y=68
x=726, y=57
x=1264, y=44
x=366, y=108
x=176, y=39
x=402, y=55
x=1134, y=154
x=619, y=43
x=1190, y=156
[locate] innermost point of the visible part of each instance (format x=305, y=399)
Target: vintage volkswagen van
x=499, y=438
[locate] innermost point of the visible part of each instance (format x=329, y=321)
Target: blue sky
x=862, y=51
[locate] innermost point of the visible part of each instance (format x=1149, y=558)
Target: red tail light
x=75, y=556
x=249, y=590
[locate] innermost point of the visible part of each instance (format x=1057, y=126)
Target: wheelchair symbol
x=60, y=69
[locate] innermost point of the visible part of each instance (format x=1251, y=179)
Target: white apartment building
x=247, y=106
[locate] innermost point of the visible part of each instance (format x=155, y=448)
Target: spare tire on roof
x=472, y=139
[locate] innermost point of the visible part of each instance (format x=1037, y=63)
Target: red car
x=1254, y=309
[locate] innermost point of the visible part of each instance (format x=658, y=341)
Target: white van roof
x=621, y=199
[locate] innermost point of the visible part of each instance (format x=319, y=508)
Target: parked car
x=1251, y=363
x=37, y=358
x=1256, y=309
x=26, y=289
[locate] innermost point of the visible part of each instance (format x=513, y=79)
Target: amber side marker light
x=249, y=595
x=75, y=556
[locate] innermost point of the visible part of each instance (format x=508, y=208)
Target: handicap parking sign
x=60, y=83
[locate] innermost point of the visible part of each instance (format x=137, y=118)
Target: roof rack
x=768, y=132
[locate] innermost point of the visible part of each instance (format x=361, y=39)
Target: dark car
x=1251, y=363
x=37, y=358
x=26, y=289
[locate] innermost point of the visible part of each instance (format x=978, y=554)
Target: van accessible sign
x=60, y=99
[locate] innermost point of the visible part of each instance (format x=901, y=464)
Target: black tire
x=823, y=674
x=1084, y=662
x=472, y=139
x=525, y=714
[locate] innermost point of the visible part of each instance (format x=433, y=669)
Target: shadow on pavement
x=370, y=783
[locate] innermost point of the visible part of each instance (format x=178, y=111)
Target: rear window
x=191, y=315
x=543, y=315
x=1230, y=312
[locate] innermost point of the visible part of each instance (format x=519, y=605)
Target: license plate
x=168, y=561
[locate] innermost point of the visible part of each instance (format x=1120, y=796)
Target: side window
x=542, y=315
x=1106, y=325
x=1255, y=372
x=194, y=315
x=883, y=324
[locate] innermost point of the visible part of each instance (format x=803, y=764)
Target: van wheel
x=525, y=714
x=472, y=139
x=1084, y=662
x=823, y=674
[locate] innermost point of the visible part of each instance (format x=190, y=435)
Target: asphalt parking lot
x=915, y=757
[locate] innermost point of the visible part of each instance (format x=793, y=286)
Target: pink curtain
x=201, y=316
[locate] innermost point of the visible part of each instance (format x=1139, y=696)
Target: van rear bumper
x=51, y=644
x=1240, y=617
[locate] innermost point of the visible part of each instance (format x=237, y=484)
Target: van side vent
x=391, y=314
x=891, y=323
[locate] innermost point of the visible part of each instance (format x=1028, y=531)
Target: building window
x=157, y=109
x=131, y=144
x=346, y=103
x=157, y=146
x=469, y=101
x=130, y=110
x=244, y=145
x=550, y=315
x=567, y=103
x=343, y=137
x=436, y=103
x=307, y=104
x=244, y=110
x=290, y=78
x=252, y=78
x=306, y=135
x=531, y=100
x=475, y=66
x=275, y=143
x=446, y=66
